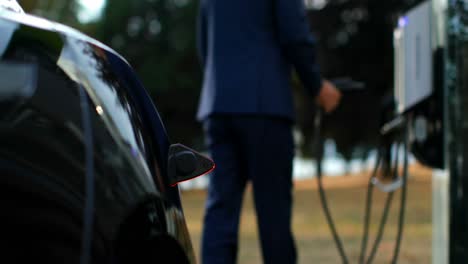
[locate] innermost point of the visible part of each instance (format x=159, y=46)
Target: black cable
x=324, y=202
x=381, y=229
x=385, y=212
x=403, y=195
x=88, y=212
x=388, y=204
x=368, y=210
x=323, y=199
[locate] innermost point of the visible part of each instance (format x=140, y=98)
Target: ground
x=346, y=198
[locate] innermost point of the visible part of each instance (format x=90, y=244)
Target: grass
x=346, y=198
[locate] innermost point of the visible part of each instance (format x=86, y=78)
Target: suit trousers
x=258, y=149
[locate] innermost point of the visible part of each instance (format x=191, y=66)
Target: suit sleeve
x=297, y=42
x=201, y=34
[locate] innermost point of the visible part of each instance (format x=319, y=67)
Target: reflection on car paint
x=103, y=88
x=6, y=31
x=43, y=132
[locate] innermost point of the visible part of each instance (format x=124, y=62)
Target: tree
x=157, y=37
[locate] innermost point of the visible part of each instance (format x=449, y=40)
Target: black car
x=88, y=174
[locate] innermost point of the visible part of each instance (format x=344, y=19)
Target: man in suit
x=247, y=49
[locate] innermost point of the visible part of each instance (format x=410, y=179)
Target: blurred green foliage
x=58, y=10
x=157, y=37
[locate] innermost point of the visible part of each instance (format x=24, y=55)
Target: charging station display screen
x=413, y=57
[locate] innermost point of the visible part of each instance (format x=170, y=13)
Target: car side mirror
x=185, y=164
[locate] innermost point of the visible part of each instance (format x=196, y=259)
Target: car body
x=84, y=156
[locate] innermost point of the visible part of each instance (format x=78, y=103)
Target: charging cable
x=398, y=182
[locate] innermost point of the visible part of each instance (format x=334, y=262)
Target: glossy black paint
x=137, y=212
x=185, y=164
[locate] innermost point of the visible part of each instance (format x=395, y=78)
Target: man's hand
x=329, y=96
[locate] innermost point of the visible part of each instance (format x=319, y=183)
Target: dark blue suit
x=247, y=49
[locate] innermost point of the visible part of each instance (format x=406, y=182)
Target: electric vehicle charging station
x=420, y=96
x=430, y=92
x=429, y=89
x=430, y=44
